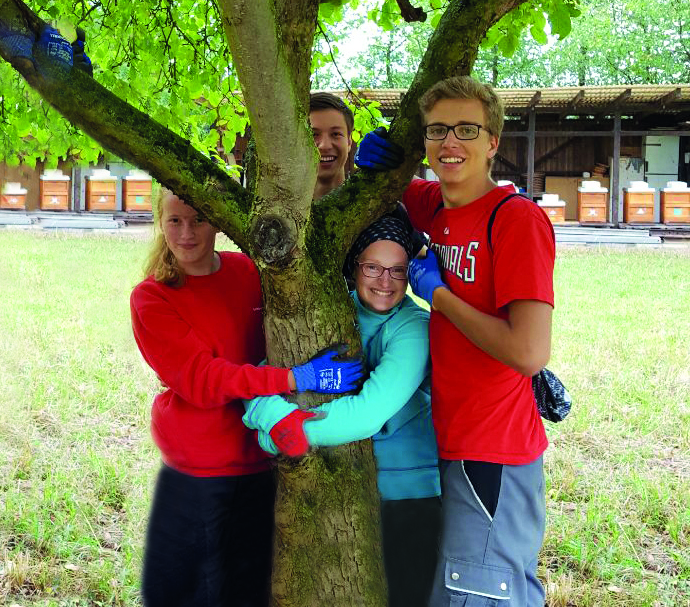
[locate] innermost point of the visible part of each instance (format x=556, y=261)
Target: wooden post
x=530, y=151
x=614, y=193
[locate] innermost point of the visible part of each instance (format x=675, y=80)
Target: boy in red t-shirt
x=490, y=331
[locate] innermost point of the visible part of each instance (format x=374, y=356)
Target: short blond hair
x=161, y=263
x=466, y=87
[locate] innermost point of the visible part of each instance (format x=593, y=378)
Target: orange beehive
x=136, y=192
x=675, y=203
x=638, y=203
x=54, y=191
x=592, y=203
x=101, y=191
x=554, y=208
x=13, y=196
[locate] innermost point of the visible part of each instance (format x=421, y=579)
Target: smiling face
x=190, y=239
x=333, y=142
x=462, y=166
x=382, y=293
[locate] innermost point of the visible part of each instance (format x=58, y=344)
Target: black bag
x=552, y=397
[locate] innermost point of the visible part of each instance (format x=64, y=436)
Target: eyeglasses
x=374, y=270
x=463, y=131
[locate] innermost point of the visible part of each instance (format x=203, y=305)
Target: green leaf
x=538, y=34
x=435, y=20
x=326, y=10
x=211, y=140
x=509, y=44
x=23, y=126
x=560, y=21
x=539, y=19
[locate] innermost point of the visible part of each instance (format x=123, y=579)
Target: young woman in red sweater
x=197, y=319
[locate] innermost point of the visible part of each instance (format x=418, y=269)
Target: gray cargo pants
x=489, y=555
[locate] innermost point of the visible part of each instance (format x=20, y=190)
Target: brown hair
x=161, y=262
x=466, y=87
x=328, y=101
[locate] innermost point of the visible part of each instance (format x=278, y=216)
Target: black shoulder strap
x=492, y=217
x=436, y=210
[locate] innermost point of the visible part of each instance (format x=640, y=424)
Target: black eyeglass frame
x=383, y=269
x=449, y=127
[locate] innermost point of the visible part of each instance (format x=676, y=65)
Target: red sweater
x=203, y=340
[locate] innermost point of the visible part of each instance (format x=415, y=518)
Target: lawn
x=77, y=464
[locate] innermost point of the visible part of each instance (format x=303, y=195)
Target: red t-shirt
x=203, y=340
x=484, y=410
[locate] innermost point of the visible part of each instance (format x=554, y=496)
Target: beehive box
x=136, y=192
x=638, y=203
x=54, y=191
x=675, y=203
x=101, y=191
x=554, y=208
x=592, y=203
x=13, y=196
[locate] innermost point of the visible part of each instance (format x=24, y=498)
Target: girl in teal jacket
x=393, y=408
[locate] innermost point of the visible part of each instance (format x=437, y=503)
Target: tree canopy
x=170, y=59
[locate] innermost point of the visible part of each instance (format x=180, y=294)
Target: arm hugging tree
x=327, y=512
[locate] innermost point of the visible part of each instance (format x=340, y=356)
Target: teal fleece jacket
x=393, y=407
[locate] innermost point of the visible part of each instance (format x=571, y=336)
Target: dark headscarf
x=395, y=227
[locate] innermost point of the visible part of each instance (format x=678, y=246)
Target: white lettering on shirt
x=458, y=259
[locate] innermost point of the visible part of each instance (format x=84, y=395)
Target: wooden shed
x=553, y=136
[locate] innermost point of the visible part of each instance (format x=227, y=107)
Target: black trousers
x=411, y=530
x=209, y=541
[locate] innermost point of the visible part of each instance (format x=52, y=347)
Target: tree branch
x=411, y=13
x=270, y=42
x=340, y=216
x=132, y=135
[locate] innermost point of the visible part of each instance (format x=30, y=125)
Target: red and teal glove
x=288, y=434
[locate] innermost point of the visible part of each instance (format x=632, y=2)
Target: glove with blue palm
x=425, y=276
x=16, y=39
x=81, y=59
x=376, y=152
x=330, y=372
x=52, y=51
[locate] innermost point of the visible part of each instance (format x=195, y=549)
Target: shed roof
x=574, y=100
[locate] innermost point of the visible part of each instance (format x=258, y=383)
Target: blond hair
x=466, y=87
x=161, y=263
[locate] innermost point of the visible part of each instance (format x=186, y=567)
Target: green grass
x=77, y=463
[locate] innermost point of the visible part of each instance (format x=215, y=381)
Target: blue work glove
x=425, y=277
x=377, y=153
x=16, y=40
x=52, y=51
x=81, y=59
x=329, y=372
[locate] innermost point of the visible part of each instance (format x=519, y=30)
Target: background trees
x=616, y=42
